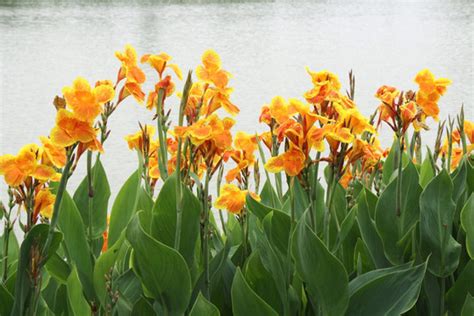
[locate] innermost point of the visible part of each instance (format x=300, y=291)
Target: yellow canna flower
x=86, y=103
x=430, y=90
x=280, y=110
x=324, y=82
x=160, y=62
x=469, y=130
x=291, y=161
x=135, y=77
x=136, y=141
x=52, y=153
x=69, y=129
x=44, y=203
x=16, y=169
x=232, y=199
x=245, y=142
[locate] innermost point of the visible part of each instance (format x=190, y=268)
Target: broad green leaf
x=468, y=307
x=426, y=172
x=262, y=282
x=100, y=200
x=467, y=222
x=102, y=267
x=162, y=270
x=362, y=260
x=143, y=307
x=463, y=286
x=6, y=301
x=390, y=166
x=125, y=205
x=269, y=197
x=277, y=227
x=203, y=307
x=245, y=301
x=436, y=220
x=34, y=239
x=390, y=291
x=366, y=203
x=257, y=208
x=58, y=269
x=163, y=227
x=346, y=227
x=324, y=275
x=71, y=225
x=130, y=289
x=395, y=229
x=13, y=250
x=76, y=298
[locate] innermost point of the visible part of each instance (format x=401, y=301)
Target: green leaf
x=163, y=227
x=390, y=291
x=468, y=307
x=6, y=301
x=70, y=223
x=463, y=286
x=426, y=172
x=77, y=301
x=34, y=239
x=162, y=270
x=395, y=229
x=436, y=220
x=325, y=276
x=277, y=227
x=58, y=269
x=346, y=227
x=467, y=222
x=269, y=197
x=100, y=200
x=203, y=307
x=366, y=203
x=13, y=250
x=262, y=282
x=245, y=301
x=143, y=307
x=102, y=267
x=125, y=205
x=257, y=208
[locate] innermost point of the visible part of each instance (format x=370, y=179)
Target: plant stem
x=441, y=296
x=57, y=202
x=162, y=153
x=398, y=202
x=90, y=197
x=205, y=248
x=6, y=241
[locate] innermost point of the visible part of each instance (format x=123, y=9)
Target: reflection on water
x=266, y=45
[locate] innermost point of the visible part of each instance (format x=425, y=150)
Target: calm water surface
x=44, y=45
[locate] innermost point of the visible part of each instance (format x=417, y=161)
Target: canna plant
x=339, y=225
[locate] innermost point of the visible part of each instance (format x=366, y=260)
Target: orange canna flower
x=469, y=130
x=160, y=62
x=324, y=83
x=44, y=203
x=135, y=77
x=291, y=161
x=387, y=95
x=245, y=142
x=16, y=169
x=210, y=71
x=69, y=130
x=85, y=102
x=280, y=110
x=346, y=178
x=136, y=141
x=232, y=199
x=430, y=91
x=53, y=154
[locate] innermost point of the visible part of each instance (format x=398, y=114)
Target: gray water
x=44, y=45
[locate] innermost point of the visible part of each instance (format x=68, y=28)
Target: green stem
x=162, y=150
x=441, y=296
x=90, y=197
x=57, y=202
x=6, y=241
x=179, y=186
x=398, y=205
x=206, y=234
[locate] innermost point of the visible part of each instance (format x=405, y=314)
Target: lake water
x=44, y=45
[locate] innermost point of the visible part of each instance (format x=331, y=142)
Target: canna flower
x=85, y=102
x=138, y=140
x=232, y=198
x=387, y=95
x=160, y=62
x=291, y=161
x=134, y=76
x=346, y=178
x=324, y=82
x=16, y=169
x=53, y=154
x=44, y=203
x=245, y=146
x=69, y=129
x=354, y=120
x=280, y=111
x=211, y=71
x=430, y=90
x=469, y=130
